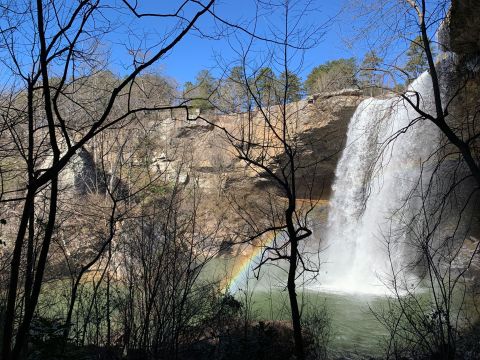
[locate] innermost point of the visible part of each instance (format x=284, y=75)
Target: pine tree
x=265, y=86
x=416, y=59
x=332, y=76
x=201, y=91
x=370, y=76
x=234, y=93
x=294, y=88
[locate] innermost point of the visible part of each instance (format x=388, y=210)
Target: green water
x=353, y=327
x=354, y=330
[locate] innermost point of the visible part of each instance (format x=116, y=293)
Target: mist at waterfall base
x=385, y=162
x=375, y=195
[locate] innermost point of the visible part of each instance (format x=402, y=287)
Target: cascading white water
x=374, y=177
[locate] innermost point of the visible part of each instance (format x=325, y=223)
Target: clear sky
x=115, y=34
x=197, y=52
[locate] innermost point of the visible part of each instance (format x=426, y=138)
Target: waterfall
x=375, y=193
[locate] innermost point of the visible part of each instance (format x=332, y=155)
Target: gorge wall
x=320, y=123
x=464, y=27
x=197, y=152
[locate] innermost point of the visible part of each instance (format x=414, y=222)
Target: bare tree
x=439, y=215
x=47, y=47
x=466, y=144
x=266, y=138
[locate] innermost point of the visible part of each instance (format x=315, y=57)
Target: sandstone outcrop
x=202, y=151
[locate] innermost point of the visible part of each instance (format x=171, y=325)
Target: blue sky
x=195, y=53
x=118, y=34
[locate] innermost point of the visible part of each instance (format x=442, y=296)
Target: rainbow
x=244, y=264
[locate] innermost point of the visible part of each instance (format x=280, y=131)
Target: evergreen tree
x=264, y=85
x=294, y=88
x=369, y=74
x=234, y=96
x=332, y=76
x=201, y=92
x=417, y=61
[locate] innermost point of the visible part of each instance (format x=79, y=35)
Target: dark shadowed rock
x=463, y=27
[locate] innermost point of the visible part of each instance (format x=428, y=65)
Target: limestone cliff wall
x=318, y=128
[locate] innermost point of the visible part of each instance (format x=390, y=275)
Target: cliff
x=464, y=27
x=202, y=151
x=459, y=73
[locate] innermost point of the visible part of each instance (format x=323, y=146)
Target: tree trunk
x=292, y=295
x=24, y=326
x=297, y=327
x=8, y=326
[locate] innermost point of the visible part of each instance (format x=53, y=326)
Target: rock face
x=459, y=72
x=464, y=27
x=202, y=151
x=323, y=136
x=81, y=175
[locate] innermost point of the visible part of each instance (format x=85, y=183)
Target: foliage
x=200, y=92
x=332, y=76
x=317, y=323
x=268, y=89
x=291, y=85
x=265, y=87
x=417, y=61
x=370, y=74
x=417, y=328
x=233, y=94
x=257, y=340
